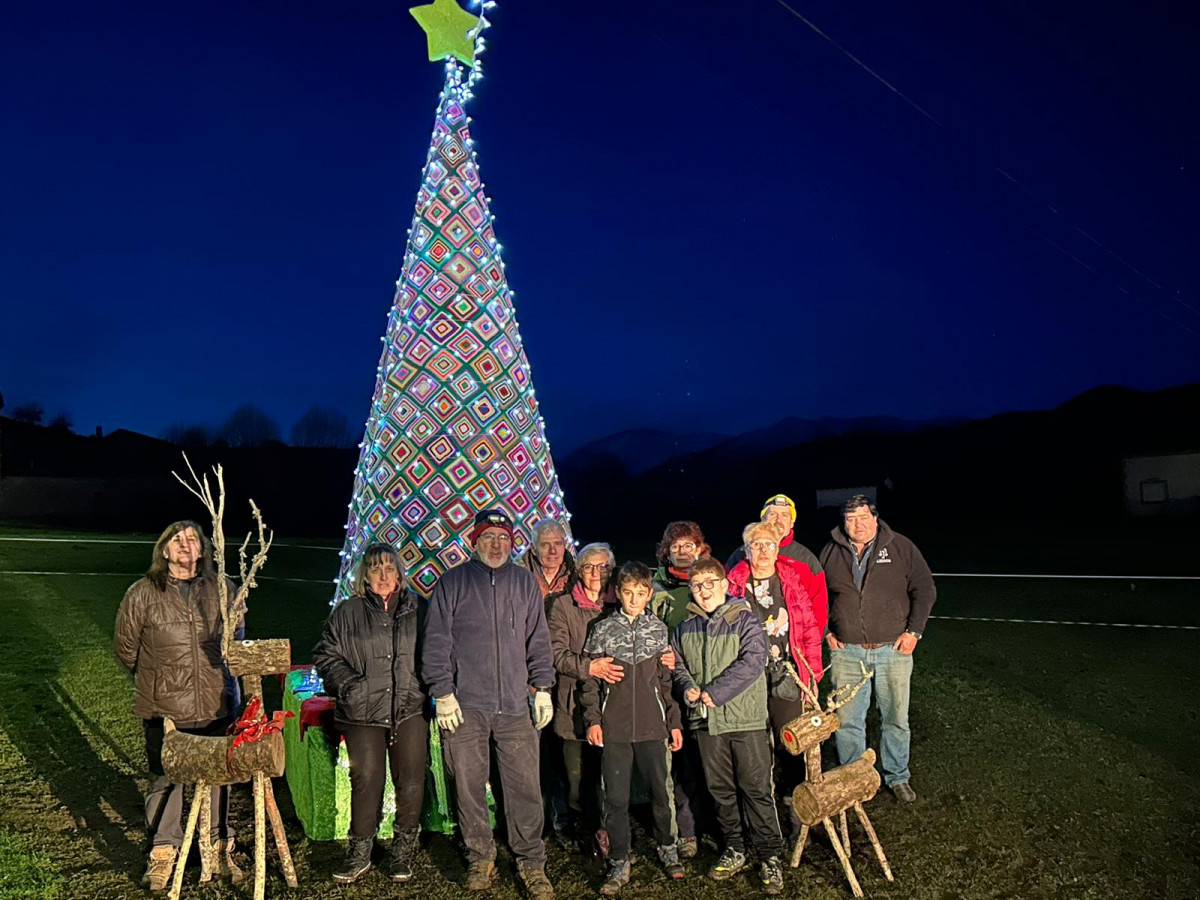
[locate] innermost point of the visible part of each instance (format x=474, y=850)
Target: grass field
x=1052, y=761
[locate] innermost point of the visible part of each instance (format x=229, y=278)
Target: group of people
x=683, y=673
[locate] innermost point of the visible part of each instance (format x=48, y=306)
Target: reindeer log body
x=193, y=758
x=840, y=789
x=263, y=657
x=808, y=730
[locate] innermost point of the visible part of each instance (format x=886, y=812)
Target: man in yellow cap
x=780, y=511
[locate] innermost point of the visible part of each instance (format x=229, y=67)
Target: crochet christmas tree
x=453, y=425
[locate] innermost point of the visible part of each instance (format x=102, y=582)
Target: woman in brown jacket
x=571, y=614
x=168, y=635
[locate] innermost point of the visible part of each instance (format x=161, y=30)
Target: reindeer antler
x=231, y=611
x=843, y=695
x=837, y=698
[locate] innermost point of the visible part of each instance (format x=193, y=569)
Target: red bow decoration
x=252, y=725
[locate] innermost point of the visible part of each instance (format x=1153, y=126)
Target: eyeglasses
x=682, y=545
x=763, y=546
x=501, y=538
x=710, y=585
x=595, y=567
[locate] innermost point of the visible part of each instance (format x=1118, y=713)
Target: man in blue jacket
x=486, y=657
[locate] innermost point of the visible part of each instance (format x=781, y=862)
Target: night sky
x=712, y=215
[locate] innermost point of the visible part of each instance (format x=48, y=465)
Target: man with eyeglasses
x=881, y=593
x=486, y=650
x=681, y=545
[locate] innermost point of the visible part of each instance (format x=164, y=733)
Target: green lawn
x=1051, y=761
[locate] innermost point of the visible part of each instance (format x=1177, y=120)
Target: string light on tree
x=453, y=426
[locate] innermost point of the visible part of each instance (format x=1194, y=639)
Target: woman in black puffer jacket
x=368, y=659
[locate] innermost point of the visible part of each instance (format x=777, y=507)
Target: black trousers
x=737, y=767
x=163, y=801
x=789, y=770
x=693, y=808
x=406, y=750
x=616, y=762
x=585, y=792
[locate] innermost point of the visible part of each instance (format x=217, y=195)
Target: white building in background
x=1162, y=484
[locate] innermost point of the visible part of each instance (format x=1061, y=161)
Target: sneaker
x=729, y=864
x=160, y=867
x=358, y=860
x=617, y=878
x=400, y=857
x=537, y=885
x=771, y=874
x=668, y=855
x=226, y=866
x=903, y=792
x=479, y=875
x=688, y=848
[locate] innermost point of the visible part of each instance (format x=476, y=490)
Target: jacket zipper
x=496, y=637
x=195, y=653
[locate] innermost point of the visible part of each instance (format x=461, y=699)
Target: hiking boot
x=358, y=860
x=226, y=866
x=479, y=875
x=617, y=878
x=688, y=848
x=401, y=855
x=537, y=885
x=771, y=874
x=903, y=792
x=729, y=864
x=158, y=870
x=668, y=855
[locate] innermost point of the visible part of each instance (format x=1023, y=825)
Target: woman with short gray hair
x=571, y=615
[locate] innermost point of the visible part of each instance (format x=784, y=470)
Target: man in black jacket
x=880, y=595
x=485, y=657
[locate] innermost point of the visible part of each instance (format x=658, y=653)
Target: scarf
x=607, y=598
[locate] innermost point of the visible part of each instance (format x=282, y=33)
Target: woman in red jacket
x=776, y=588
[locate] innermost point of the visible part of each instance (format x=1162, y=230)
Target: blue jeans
x=893, y=672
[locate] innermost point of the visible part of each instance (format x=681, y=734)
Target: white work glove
x=449, y=713
x=543, y=710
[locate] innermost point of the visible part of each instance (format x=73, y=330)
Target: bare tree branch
x=232, y=611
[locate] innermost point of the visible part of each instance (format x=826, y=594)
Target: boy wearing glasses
x=721, y=653
x=631, y=718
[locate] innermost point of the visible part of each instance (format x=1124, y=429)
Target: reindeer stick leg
x=845, y=831
x=800, y=842
x=260, y=839
x=205, y=836
x=866, y=824
x=189, y=832
x=281, y=844
x=841, y=854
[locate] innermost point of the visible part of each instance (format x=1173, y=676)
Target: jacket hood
x=785, y=568
x=730, y=609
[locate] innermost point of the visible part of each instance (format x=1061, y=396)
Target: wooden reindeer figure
x=824, y=795
x=254, y=750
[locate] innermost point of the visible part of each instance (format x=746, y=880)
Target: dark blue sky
x=712, y=216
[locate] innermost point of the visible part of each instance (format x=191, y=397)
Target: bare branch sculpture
x=232, y=611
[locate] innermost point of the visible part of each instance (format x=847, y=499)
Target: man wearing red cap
x=486, y=658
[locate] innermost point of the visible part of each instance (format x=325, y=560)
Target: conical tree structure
x=454, y=425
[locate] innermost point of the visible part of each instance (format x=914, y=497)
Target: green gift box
x=318, y=776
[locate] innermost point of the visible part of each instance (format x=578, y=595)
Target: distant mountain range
x=640, y=449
